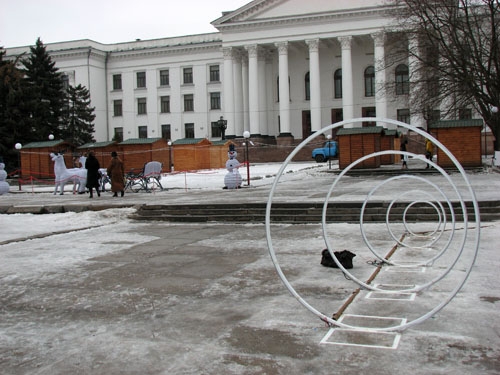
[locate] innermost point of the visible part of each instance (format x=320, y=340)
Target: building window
x=141, y=80
x=404, y=115
x=215, y=129
x=215, y=100
x=337, y=82
x=117, y=81
x=187, y=75
x=278, y=88
x=214, y=73
x=465, y=114
x=141, y=106
x=117, y=108
x=143, y=131
x=165, y=132
x=370, y=81
x=188, y=103
x=118, y=137
x=165, y=104
x=433, y=115
x=337, y=115
x=369, y=112
x=402, y=80
x=65, y=82
x=307, y=84
x=164, y=78
x=433, y=86
x=189, y=130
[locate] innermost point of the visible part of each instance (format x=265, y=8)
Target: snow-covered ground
x=260, y=174
x=22, y=225
x=300, y=176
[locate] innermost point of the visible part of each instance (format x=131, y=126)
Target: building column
x=446, y=103
x=347, y=82
x=380, y=78
x=262, y=93
x=270, y=80
x=284, y=90
x=244, y=79
x=416, y=118
x=314, y=84
x=228, y=90
x=238, y=94
x=253, y=89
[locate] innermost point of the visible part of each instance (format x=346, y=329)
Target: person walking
x=116, y=172
x=92, y=166
x=404, y=157
x=429, y=151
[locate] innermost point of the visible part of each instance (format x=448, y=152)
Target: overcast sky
x=106, y=21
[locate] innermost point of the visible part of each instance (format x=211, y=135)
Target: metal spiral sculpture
x=456, y=238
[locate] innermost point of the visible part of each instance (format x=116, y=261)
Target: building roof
x=364, y=130
x=188, y=141
x=44, y=144
x=391, y=132
x=140, y=141
x=456, y=124
x=221, y=142
x=73, y=46
x=97, y=144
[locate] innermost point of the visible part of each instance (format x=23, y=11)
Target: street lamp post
x=494, y=111
x=18, y=147
x=329, y=137
x=246, y=135
x=244, y=144
x=170, y=156
x=222, y=126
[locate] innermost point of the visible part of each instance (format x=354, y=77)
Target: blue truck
x=322, y=154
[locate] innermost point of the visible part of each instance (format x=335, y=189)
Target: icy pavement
x=94, y=292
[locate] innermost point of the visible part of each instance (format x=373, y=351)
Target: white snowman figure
x=232, y=179
x=4, y=186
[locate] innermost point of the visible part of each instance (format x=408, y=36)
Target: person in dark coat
x=116, y=172
x=92, y=166
x=404, y=158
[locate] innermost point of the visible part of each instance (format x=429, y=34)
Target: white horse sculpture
x=76, y=175
x=81, y=187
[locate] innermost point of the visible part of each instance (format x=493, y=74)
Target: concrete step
x=310, y=212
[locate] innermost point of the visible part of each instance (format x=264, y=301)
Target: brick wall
x=102, y=154
x=354, y=146
x=387, y=142
x=134, y=156
x=266, y=150
x=218, y=156
x=463, y=142
x=36, y=162
x=187, y=157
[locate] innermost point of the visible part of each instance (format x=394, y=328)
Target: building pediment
x=269, y=11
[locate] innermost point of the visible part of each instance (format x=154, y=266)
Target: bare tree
x=455, y=58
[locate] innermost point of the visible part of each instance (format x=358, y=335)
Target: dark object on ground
x=344, y=257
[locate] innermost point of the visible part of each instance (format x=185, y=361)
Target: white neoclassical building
x=276, y=68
